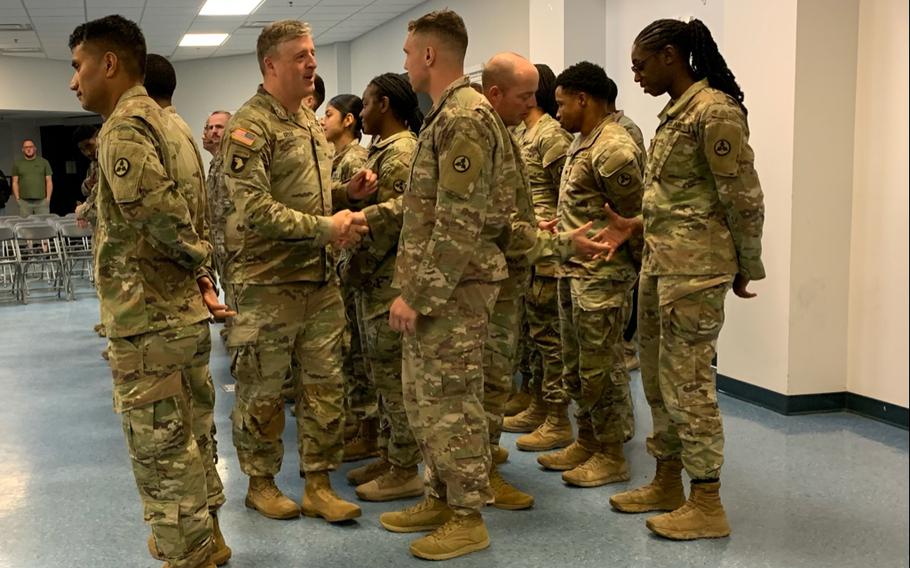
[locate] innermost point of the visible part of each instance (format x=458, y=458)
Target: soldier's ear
x=429, y=56
x=110, y=63
x=383, y=104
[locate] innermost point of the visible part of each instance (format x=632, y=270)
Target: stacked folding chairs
x=43, y=255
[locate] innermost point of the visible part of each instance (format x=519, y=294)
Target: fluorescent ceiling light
x=202, y=40
x=229, y=7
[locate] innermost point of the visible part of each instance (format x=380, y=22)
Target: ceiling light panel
x=229, y=7
x=202, y=40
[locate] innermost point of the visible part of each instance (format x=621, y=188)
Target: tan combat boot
x=396, y=483
x=499, y=454
x=264, y=496
x=555, y=432
x=528, y=419
x=664, y=493
x=462, y=534
x=702, y=516
x=575, y=454
x=428, y=515
x=220, y=554
x=368, y=472
x=606, y=466
x=518, y=402
x=320, y=500
x=506, y=496
x=365, y=444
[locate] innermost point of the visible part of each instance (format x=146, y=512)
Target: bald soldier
x=153, y=275
x=278, y=176
x=450, y=261
x=509, y=84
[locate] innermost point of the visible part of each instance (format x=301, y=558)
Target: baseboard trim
x=815, y=403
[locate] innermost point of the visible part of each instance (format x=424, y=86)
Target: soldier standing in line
x=702, y=220
x=155, y=287
x=278, y=175
x=604, y=165
x=450, y=260
x=544, y=145
x=392, y=116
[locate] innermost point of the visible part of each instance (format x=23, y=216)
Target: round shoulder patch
x=121, y=167
x=461, y=164
x=399, y=185
x=624, y=179
x=238, y=163
x=722, y=147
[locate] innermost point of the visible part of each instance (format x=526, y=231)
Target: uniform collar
x=673, y=108
x=587, y=141
x=381, y=144
x=278, y=108
x=132, y=92
x=463, y=82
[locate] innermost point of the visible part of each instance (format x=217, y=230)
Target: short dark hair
x=160, y=77
x=118, y=35
x=319, y=92
x=589, y=78
x=445, y=25
x=84, y=132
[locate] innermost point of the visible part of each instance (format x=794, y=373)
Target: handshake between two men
x=349, y=227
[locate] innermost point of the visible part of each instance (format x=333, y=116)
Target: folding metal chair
x=9, y=264
x=76, y=245
x=40, y=260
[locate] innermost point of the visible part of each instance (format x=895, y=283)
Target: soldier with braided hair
x=702, y=219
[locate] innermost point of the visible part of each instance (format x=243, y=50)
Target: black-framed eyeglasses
x=638, y=67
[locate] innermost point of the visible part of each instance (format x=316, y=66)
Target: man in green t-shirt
x=32, y=183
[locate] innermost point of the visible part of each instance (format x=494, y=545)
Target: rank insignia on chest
x=121, y=167
x=238, y=163
x=242, y=136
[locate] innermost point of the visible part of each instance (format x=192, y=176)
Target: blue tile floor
x=823, y=490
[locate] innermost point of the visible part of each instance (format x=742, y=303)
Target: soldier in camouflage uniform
x=450, y=261
x=218, y=200
x=154, y=281
x=86, y=139
x=391, y=114
x=603, y=166
x=278, y=176
x=702, y=221
x=544, y=144
x=342, y=127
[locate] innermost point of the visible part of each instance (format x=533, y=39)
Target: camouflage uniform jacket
x=457, y=203
x=345, y=164
x=150, y=239
x=633, y=130
x=602, y=167
x=278, y=175
x=372, y=266
x=703, y=207
x=543, y=148
x=219, y=202
x=87, y=209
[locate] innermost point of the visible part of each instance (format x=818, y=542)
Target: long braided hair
x=694, y=42
x=402, y=99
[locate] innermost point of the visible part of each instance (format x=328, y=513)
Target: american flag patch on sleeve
x=245, y=137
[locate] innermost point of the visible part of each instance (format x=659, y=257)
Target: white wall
x=493, y=26
x=878, y=338
x=546, y=33
x=31, y=83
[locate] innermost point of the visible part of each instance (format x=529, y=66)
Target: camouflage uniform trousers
x=275, y=324
x=679, y=320
x=500, y=351
x=164, y=392
x=592, y=317
x=360, y=397
x=382, y=348
x=442, y=376
x=543, y=329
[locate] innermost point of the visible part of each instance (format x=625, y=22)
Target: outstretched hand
x=619, y=229
x=362, y=185
x=346, y=232
x=218, y=310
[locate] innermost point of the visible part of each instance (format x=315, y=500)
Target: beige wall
x=877, y=348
